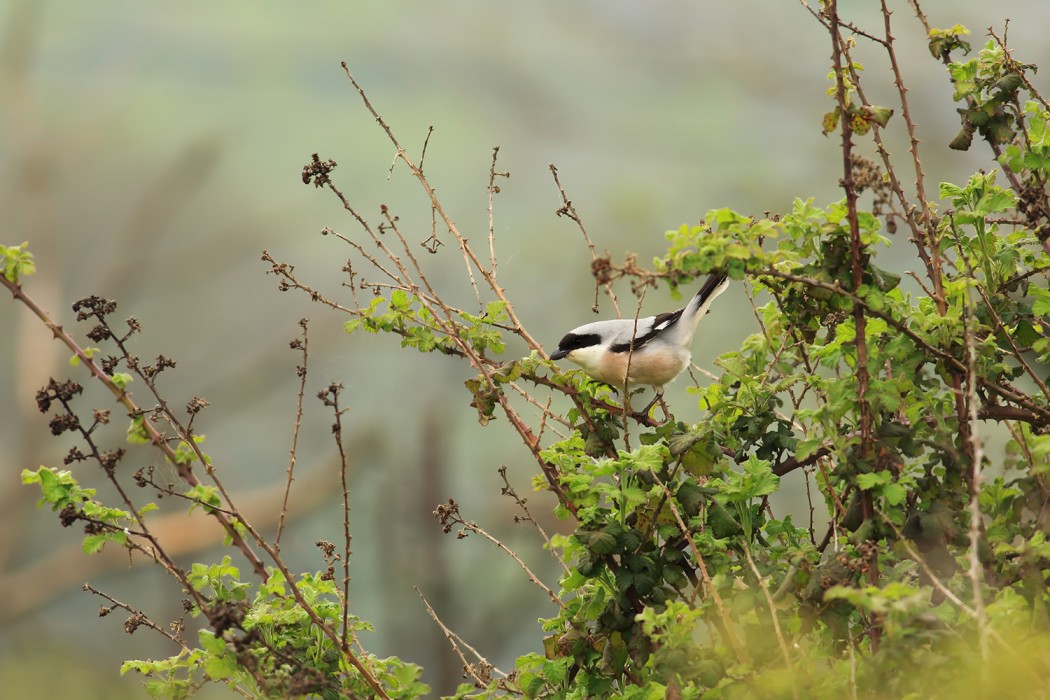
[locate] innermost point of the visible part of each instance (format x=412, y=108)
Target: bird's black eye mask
x=572, y=341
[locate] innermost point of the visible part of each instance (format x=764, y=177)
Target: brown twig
x=1035, y=414
x=439, y=208
x=493, y=190
x=856, y=245
x=857, y=253
x=318, y=171
x=976, y=450
x=303, y=345
x=920, y=176
x=449, y=517
x=626, y=410
x=568, y=210
x=137, y=619
x=522, y=503
x=951, y=597
x=161, y=442
x=482, y=676
x=124, y=398
x=330, y=398
x=738, y=649
x=784, y=652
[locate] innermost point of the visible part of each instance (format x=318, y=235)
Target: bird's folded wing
x=647, y=329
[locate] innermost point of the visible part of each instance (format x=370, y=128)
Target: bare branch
x=449, y=517
x=303, y=346
x=481, y=672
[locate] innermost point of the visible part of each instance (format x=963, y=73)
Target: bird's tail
x=701, y=302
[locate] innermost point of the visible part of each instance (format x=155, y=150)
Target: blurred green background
x=150, y=152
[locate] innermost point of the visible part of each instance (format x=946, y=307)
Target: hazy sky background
x=149, y=153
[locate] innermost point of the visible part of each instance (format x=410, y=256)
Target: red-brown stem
x=857, y=265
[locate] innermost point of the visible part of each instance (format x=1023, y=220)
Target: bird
x=625, y=352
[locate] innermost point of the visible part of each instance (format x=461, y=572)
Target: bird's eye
x=574, y=341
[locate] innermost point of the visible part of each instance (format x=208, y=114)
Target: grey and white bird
x=652, y=350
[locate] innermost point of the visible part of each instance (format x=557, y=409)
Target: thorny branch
x=303, y=346
x=330, y=398
x=226, y=517
x=480, y=672
x=857, y=262
x=403, y=276
x=599, y=264
x=449, y=516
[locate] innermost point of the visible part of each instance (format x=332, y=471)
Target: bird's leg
x=658, y=398
x=663, y=405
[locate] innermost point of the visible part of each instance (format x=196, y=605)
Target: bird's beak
x=559, y=353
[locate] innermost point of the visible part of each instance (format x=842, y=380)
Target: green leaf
x=692, y=497
x=400, y=300
x=894, y=493
x=830, y=121
x=944, y=41
x=221, y=667
x=871, y=480
x=93, y=544
x=807, y=446
x=599, y=542
x=137, y=434
x=205, y=496
x=756, y=480
x=74, y=361
x=1041, y=306
x=879, y=115
x=16, y=261
x=884, y=279
x=121, y=380
x=58, y=487
x=996, y=200
x=496, y=311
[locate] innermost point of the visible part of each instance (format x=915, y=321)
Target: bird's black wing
x=656, y=325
